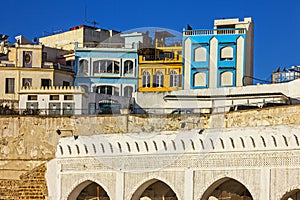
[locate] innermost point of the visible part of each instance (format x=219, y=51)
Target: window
x=68, y=108
x=146, y=79
x=26, y=82
x=27, y=59
x=9, y=85
x=107, y=89
x=200, y=54
x=128, y=67
x=32, y=97
x=66, y=83
x=128, y=91
x=158, y=79
x=226, y=78
x=200, y=79
x=46, y=82
x=83, y=67
x=174, y=79
x=226, y=53
x=44, y=56
x=106, y=66
x=54, y=97
x=68, y=97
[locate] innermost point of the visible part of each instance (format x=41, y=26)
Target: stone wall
x=32, y=185
x=8, y=189
x=27, y=142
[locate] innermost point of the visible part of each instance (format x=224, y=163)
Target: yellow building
x=160, y=68
x=32, y=65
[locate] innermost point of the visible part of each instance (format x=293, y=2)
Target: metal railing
x=152, y=111
x=215, y=31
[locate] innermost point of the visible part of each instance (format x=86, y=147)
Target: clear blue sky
x=276, y=33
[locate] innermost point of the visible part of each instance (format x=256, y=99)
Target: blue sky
x=276, y=23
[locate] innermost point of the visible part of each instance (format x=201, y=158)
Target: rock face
x=28, y=142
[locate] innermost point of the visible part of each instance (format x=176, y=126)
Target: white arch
x=82, y=183
x=286, y=192
x=217, y=181
x=145, y=183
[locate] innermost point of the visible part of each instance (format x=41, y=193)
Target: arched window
x=107, y=89
x=83, y=66
x=227, y=53
x=106, y=66
x=158, y=79
x=128, y=67
x=200, y=79
x=200, y=54
x=174, y=79
x=128, y=91
x=146, y=79
x=226, y=78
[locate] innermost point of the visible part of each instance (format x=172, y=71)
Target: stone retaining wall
x=26, y=142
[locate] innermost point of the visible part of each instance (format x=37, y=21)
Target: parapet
x=52, y=89
x=179, y=142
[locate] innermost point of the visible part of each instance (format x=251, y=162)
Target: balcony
x=149, y=59
x=230, y=31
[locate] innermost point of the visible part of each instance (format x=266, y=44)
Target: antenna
x=85, y=16
x=85, y=12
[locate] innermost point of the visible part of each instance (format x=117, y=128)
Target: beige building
x=32, y=65
x=84, y=36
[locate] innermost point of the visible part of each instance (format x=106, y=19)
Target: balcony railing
x=230, y=31
x=151, y=59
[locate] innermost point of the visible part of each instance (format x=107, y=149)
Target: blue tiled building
x=220, y=57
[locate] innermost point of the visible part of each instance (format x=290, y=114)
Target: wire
x=253, y=78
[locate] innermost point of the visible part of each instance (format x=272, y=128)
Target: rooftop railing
x=227, y=31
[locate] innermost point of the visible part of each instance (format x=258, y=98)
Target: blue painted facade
x=223, y=65
x=110, y=71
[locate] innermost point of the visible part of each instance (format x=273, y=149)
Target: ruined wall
x=27, y=142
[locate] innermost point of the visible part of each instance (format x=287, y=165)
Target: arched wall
x=137, y=187
x=217, y=183
x=70, y=191
x=260, y=158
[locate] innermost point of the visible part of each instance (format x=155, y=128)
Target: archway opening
x=227, y=188
x=292, y=195
x=88, y=190
x=154, y=190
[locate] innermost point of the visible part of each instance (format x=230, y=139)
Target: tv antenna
x=85, y=16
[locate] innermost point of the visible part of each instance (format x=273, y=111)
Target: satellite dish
x=35, y=40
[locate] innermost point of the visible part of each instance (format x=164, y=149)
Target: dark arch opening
x=88, y=190
x=154, y=189
x=227, y=188
x=293, y=195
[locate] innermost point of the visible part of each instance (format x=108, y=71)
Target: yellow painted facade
x=40, y=68
x=166, y=66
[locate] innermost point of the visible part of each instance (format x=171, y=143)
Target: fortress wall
x=26, y=142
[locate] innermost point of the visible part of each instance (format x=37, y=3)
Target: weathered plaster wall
x=26, y=142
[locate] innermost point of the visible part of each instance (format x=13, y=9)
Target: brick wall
x=32, y=185
x=8, y=189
